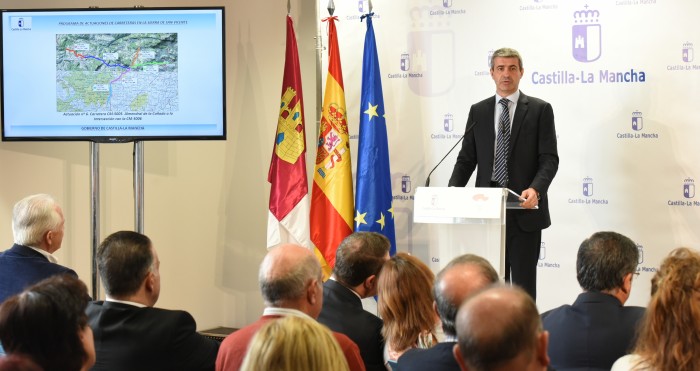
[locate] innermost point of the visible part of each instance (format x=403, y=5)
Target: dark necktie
x=500, y=172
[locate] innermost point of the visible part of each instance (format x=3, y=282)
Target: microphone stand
x=469, y=129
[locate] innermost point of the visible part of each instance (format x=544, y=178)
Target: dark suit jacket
x=533, y=159
x=132, y=338
x=342, y=312
x=437, y=358
x=21, y=267
x=592, y=333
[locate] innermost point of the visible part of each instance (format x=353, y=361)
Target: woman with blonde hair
x=405, y=303
x=294, y=343
x=669, y=337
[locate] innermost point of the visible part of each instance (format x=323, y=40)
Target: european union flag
x=373, y=196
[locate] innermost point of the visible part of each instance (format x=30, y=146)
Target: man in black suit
x=358, y=260
x=597, y=329
x=463, y=276
x=522, y=156
x=129, y=333
x=37, y=227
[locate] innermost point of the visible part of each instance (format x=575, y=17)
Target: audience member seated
x=669, y=336
x=47, y=324
x=17, y=362
x=405, y=303
x=129, y=333
x=294, y=343
x=358, y=260
x=597, y=329
x=462, y=276
x=37, y=227
x=291, y=283
x=499, y=329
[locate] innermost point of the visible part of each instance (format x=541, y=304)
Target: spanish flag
x=288, y=220
x=331, y=196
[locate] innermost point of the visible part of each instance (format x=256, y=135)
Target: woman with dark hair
x=669, y=337
x=47, y=323
x=405, y=303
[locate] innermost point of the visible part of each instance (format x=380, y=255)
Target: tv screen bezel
x=222, y=135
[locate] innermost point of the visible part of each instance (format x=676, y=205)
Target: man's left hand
x=529, y=198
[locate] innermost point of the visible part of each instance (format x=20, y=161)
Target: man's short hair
x=124, y=259
x=278, y=288
x=488, y=337
x=359, y=256
x=506, y=53
x=447, y=306
x=604, y=259
x=32, y=217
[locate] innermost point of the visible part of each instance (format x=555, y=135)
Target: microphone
x=469, y=129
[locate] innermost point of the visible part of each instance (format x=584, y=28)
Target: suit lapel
x=518, y=118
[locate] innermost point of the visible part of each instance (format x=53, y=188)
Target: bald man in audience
x=462, y=276
x=499, y=329
x=291, y=283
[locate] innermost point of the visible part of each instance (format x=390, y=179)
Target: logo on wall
x=586, y=35
x=689, y=188
x=641, y=254
x=406, y=184
x=543, y=251
x=405, y=62
x=446, y=3
x=21, y=22
x=448, y=123
x=363, y=6
x=637, y=121
x=588, y=187
x=688, y=54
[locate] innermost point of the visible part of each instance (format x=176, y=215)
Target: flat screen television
x=113, y=75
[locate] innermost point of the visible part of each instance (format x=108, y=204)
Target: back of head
x=405, y=301
x=359, y=256
x=32, y=217
x=124, y=259
x=500, y=328
x=45, y=322
x=670, y=332
x=293, y=343
x=603, y=261
x=460, y=278
x=285, y=273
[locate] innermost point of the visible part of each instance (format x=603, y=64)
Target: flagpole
x=289, y=8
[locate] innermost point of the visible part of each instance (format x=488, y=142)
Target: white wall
x=205, y=201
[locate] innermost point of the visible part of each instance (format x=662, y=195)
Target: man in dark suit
x=358, y=260
x=597, y=329
x=129, y=333
x=522, y=156
x=37, y=227
x=462, y=277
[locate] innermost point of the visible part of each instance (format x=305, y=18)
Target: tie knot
x=504, y=102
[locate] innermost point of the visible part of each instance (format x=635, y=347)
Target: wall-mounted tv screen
x=113, y=75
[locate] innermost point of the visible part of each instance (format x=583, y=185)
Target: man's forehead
x=506, y=61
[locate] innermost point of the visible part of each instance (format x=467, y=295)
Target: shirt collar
x=272, y=311
x=133, y=303
x=48, y=256
x=513, y=98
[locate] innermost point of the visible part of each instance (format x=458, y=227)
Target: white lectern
x=463, y=220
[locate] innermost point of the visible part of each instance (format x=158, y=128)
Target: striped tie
x=500, y=172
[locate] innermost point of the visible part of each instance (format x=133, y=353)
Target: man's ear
x=627, y=283
x=458, y=356
x=312, y=291
x=542, y=344
x=370, y=282
x=150, y=281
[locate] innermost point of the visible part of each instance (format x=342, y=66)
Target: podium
x=463, y=220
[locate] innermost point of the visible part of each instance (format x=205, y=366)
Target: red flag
x=288, y=220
